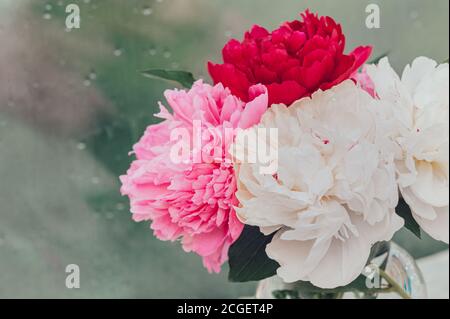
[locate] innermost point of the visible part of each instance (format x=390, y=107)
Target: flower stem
x=394, y=285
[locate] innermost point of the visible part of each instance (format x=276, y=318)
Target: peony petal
x=418, y=207
x=231, y=78
x=286, y=92
x=254, y=109
x=431, y=186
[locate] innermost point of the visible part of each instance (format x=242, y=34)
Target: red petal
x=296, y=41
x=286, y=92
x=264, y=75
x=361, y=55
x=257, y=32
x=232, y=52
x=347, y=65
x=281, y=35
x=316, y=55
x=231, y=78
x=293, y=74
x=311, y=77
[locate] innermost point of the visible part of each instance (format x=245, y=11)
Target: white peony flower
x=419, y=102
x=334, y=194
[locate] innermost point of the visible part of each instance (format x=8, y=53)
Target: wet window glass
x=73, y=101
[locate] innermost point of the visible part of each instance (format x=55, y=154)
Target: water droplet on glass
x=413, y=15
x=47, y=16
x=117, y=52
x=167, y=54
x=152, y=51
x=86, y=82
x=109, y=215
x=147, y=11
x=81, y=146
x=120, y=206
x=48, y=7
x=92, y=75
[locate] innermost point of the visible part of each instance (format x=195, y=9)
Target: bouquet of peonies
x=301, y=160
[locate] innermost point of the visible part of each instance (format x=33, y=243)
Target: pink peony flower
x=192, y=200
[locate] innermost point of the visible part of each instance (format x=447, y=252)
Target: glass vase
x=399, y=277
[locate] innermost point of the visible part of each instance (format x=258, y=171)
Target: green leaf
x=379, y=249
x=248, y=259
x=186, y=79
x=404, y=211
x=377, y=59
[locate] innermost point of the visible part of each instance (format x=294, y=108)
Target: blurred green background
x=72, y=103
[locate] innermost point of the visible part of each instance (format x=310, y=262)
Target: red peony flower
x=293, y=61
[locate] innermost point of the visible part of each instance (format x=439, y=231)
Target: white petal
x=438, y=227
x=419, y=69
x=431, y=185
x=417, y=206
